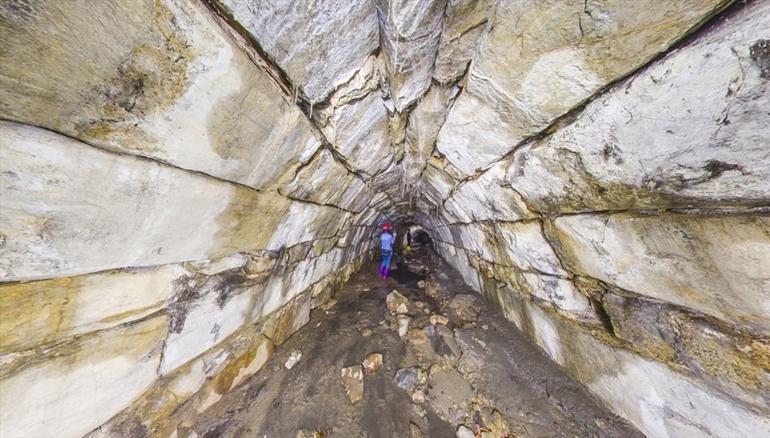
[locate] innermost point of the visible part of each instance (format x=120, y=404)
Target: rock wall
x=169, y=212
x=183, y=180
x=620, y=216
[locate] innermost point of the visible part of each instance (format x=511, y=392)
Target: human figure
x=386, y=249
x=408, y=247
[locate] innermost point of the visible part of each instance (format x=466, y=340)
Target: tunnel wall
x=169, y=213
x=631, y=239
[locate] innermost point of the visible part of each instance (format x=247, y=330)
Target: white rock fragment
x=403, y=325
x=464, y=432
x=294, y=357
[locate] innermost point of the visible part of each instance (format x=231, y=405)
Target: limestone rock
x=436, y=184
x=449, y=394
x=203, y=316
x=526, y=247
x=563, y=54
x=352, y=379
x=152, y=197
x=316, y=43
x=464, y=23
x=372, y=363
x=464, y=307
x=403, y=325
x=359, y=132
x=724, y=358
x=44, y=311
x=77, y=386
x=465, y=432
x=425, y=121
x=326, y=181
x=687, y=131
x=488, y=197
x=168, y=84
x=438, y=319
x=656, y=385
x=410, y=32
x=714, y=264
x=397, y=303
x=328, y=305
x=290, y=318
x=293, y=359
x=244, y=366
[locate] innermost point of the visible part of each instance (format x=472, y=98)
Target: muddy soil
x=460, y=369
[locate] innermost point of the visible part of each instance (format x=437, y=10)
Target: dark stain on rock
x=760, y=53
x=187, y=289
x=17, y=10
x=153, y=75
x=716, y=168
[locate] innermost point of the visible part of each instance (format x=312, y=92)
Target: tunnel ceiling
x=403, y=108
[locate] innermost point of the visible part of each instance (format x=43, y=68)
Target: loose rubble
x=446, y=365
x=464, y=308
x=397, y=303
x=372, y=363
x=294, y=357
x=352, y=379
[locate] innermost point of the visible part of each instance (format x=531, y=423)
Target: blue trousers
x=385, y=256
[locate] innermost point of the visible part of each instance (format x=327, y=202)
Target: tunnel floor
x=475, y=376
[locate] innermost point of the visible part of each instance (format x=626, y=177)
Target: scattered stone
x=444, y=342
x=465, y=308
x=425, y=307
x=421, y=284
x=406, y=378
x=366, y=332
x=294, y=357
x=464, y=432
x=414, y=431
x=449, y=394
x=372, y=363
x=395, y=300
x=418, y=396
x=329, y=304
x=403, y=325
x=485, y=327
x=438, y=319
x=352, y=379
x=496, y=424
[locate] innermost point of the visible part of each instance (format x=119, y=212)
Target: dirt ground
x=459, y=369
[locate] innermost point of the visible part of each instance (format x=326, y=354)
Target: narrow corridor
x=469, y=375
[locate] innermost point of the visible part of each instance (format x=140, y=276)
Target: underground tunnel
x=193, y=195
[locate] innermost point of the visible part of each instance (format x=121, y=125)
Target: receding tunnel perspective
x=384, y=218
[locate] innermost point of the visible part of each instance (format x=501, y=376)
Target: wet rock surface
x=460, y=370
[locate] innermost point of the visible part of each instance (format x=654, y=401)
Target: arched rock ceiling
x=432, y=102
